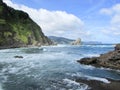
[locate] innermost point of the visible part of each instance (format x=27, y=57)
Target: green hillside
x=17, y=29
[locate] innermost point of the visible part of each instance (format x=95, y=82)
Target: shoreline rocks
x=107, y=60
x=98, y=85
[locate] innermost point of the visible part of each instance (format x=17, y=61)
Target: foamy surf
x=91, y=55
x=79, y=86
x=38, y=66
x=1, y=87
x=70, y=82
x=101, y=46
x=104, y=80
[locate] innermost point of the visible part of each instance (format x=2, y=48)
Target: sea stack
x=76, y=42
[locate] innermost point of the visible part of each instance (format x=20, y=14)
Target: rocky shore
x=97, y=85
x=107, y=60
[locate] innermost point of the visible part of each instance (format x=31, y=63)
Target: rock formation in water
x=108, y=60
x=76, y=42
x=17, y=29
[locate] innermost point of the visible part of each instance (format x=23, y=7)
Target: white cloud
x=114, y=24
x=59, y=23
x=105, y=11
x=111, y=11
x=116, y=8
x=115, y=19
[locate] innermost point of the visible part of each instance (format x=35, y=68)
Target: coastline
x=27, y=46
x=108, y=60
x=98, y=85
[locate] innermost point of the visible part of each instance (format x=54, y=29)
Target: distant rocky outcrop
x=17, y=29
x=108, y=60
x=76, y=42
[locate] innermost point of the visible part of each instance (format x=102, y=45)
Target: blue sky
x=90, y=20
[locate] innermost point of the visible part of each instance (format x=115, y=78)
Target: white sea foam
x=92, y=55
x=99, y=45
x=98, y=79
x=90, y=67
x=81, y=86
x=43, y=62
x=44, y=49
x=4, y=50
x=118, y=71
x=1, y=87
x=62, y=45
x=59, y=45
x=9, y=50
x=109, y=69
x=104, y=80
x=13, y=70
x=71, y=82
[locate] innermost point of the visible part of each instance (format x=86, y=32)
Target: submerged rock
x=108, y=60
x=18, y=56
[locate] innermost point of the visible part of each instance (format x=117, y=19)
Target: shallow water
x=51, y=68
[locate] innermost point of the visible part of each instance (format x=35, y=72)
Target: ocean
x=52, y=67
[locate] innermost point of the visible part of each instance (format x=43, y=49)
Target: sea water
x=51, y=67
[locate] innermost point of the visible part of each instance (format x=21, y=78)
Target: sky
x=90, y=20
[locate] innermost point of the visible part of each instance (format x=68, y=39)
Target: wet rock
x=18, y=56
x=117, y=47
x=98, y=85
x=108, y=60
x=88, y=61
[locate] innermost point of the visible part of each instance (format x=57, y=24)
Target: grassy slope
x=17, y=29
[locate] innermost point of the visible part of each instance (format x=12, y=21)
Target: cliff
x=108, y=60
x=17, y=29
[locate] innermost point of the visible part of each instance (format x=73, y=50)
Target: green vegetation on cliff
x=17, y=29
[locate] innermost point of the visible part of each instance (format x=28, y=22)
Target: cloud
x=111, y=11
x=113, y=28
x=105, y=11
x=59, y=23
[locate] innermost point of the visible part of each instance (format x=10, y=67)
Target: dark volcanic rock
x=88, y=61
x=98, y=85
x=108, y=60
x=117, y=47
x=18, y=56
